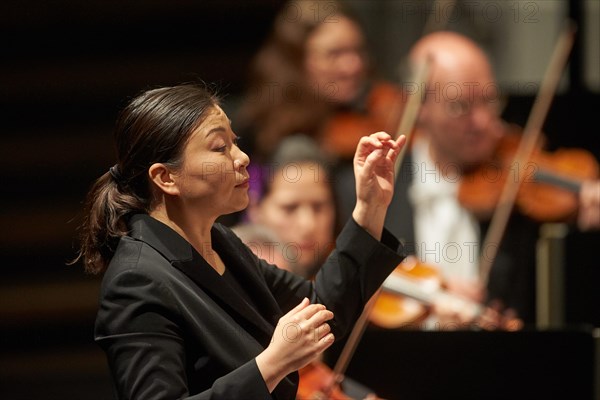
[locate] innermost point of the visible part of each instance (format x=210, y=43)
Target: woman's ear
x=162, y=178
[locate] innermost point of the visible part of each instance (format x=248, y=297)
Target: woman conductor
x=186, y=309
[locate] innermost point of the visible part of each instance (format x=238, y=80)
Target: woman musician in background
x=314, y=76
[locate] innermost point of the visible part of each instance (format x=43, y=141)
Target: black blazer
x=173, y=328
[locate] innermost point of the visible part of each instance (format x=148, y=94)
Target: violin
x=421, y=283
x=315, y=383
x=393, y=310
x=549, y=191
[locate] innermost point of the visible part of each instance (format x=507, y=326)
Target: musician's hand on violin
x=589, y=205
x=472, y=289
x=373, y=396
x=451, y=316
x=300, y=337
x=498, y=317
x=374, y=172
x=457, y=315
x=494, y=317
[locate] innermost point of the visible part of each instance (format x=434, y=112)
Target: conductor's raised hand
x=374, y=162
x=300, y=337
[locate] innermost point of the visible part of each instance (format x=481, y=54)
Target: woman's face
x=213, y=180
x=335, y=61
x=299, y=208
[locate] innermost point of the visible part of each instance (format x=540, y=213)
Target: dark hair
x=266, y=115
x=153, y=127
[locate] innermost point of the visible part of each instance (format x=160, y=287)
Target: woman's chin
x=236, y=204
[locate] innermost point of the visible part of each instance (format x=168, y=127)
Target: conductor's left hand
x=374, y=162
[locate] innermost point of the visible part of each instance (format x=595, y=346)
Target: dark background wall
x=67, y=68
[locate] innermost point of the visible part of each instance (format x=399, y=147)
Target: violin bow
x=411, y=111
x=409, y=117
x=531, y=134
x=405, y=127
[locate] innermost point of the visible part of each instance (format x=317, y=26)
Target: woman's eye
x=289, y=208
x=221, y=149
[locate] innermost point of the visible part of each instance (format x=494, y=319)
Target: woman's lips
x=244, y=184
x=307, y=246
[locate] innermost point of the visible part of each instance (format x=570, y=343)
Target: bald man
x=458, y=127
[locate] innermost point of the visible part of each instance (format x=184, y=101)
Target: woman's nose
x=351, y=63
x=241, y=159
x=306, y=220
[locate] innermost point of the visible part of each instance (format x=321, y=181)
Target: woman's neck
x=195, y=229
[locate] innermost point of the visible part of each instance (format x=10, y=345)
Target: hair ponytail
x=107, y=208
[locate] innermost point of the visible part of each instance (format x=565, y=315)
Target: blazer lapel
x=185, y=258
x=241, y=261
x=209, y=280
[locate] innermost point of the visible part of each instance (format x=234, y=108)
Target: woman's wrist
x=370, y=218
x=270, y=370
